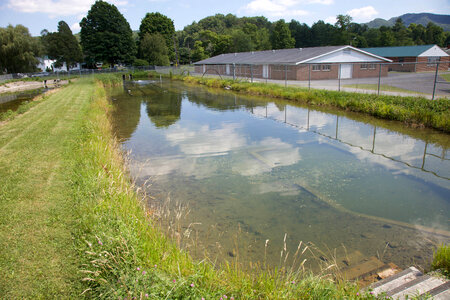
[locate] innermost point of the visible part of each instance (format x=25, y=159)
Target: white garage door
x=346, y=71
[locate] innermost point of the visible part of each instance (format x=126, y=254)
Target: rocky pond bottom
x=248, y=179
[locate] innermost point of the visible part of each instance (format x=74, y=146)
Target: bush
x=140, y=63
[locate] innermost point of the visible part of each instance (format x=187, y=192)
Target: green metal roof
x=401, y=51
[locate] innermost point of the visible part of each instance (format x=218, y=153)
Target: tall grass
x=415, y=111
x=125, y=254
x=441, y=260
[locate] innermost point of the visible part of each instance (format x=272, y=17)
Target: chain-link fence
x=428, y=79
x=74, y=73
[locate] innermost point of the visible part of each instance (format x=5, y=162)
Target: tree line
x=106, y=37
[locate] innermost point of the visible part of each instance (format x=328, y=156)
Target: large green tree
x=62, y=46
x=106, y=35
x=301, y=33
x=281, y=36
x=18, y=50
x=156, y=23
x=154, y=50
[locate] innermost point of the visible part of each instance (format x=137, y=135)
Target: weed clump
x=441, y=259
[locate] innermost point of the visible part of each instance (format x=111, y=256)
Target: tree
x=417, y=33
x=372, y=37
x=387, y=38
x=156, y=23
x=241, y=41
x=199, y=52
x=223, y=44
x=281, y=36
x=62, y=46
x=106, y=35
x=434, y=34
x=402, y=34
x=301, y=33
x=322, y=33
x=342, y=22
x=154, y=50
x=18, y=50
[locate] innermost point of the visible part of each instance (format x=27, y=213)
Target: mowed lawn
x=38, y=258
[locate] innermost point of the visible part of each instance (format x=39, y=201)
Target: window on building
x=326, y=67
x=401, y=59
x=372, y=66
x=363, y=66
x=316, y=67
x=432, y=60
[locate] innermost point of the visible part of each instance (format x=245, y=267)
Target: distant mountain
x=421, y=18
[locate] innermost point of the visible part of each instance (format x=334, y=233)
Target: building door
x=346, y=71
x=265, y=71
x=228, y=69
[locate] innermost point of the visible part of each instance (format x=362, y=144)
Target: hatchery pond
x=242, y=178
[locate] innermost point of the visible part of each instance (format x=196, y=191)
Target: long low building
x=420, y=58
x=330, y=62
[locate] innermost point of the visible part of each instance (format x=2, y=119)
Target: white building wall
x=45, y=63
x=434, y=51
x=345, y=56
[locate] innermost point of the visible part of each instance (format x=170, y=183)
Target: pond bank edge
x=125, y=254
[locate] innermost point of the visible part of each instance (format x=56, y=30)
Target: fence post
x=379, y=78
x=234, y=71
x=285, y=75
x=339, y=78
x=435, y=79
x=309, y=78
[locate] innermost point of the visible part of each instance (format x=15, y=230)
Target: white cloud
x=363, y=14
x=56, y=8
x=330, y=20
x=206, y=141
x=75, y=27
x=280, y=8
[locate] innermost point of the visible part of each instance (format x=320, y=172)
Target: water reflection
x=165, y=109
x=271, y=168
x=11, y=101
x=379, y=141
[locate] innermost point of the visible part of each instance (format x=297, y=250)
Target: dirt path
x=18, y=86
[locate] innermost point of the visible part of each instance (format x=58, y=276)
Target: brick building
x=413, y=58
x=331, y=62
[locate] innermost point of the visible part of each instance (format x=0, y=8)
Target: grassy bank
x=72, y=225
x=125, y=255
x=414, y=111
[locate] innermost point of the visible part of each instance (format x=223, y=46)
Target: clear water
x=251, y=169
x=11, y=101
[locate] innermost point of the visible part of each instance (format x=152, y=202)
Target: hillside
x=421, y=18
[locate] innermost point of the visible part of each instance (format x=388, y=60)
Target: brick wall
x=424, y=66
x=299, y=72
x=304, y=70
x=398, y=66
x=359, y=72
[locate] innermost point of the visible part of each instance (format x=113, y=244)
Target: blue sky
x=40, y=14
